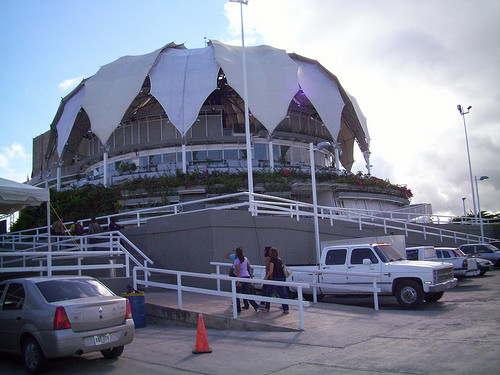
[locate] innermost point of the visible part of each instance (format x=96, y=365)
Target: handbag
x=286, y=271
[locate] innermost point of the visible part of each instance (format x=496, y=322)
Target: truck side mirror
x=368, y=262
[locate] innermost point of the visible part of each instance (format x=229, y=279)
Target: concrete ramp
x=161, y=308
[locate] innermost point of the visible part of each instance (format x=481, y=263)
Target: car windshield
x=388, y=253
x=66, y=289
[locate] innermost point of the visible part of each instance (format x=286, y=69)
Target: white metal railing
x=315, y=283
x=102, y=245
x=271, y=205
x=179, y=287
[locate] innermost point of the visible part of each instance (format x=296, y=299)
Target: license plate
x=102, y=339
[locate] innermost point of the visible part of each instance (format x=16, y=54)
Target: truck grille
x=443, y=275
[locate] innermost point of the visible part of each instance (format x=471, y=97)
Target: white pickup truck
x=411, y=282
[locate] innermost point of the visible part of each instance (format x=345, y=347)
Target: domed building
x=182, y=109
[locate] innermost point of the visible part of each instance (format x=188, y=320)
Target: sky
x=408, y=63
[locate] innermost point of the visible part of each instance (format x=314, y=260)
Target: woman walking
x=242, y=269
x=275, y=273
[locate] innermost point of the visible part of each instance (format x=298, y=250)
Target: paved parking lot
x=458, y=335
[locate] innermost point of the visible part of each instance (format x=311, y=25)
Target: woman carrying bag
x=275, y=273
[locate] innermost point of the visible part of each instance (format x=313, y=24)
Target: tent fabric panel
x=181, y=80
x=110, y=91
x=323, y=92
x=361, y=117
x=65, y=123
x=15, y=196
x=271, y=76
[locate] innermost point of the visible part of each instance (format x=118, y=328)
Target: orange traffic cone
x=201, y=338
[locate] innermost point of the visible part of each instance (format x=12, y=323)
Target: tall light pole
x=245, y=99
x=463, y=113
x=314, y=196
x=463, y=201
x=479, y=206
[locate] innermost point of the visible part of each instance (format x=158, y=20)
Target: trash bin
x=138, y=307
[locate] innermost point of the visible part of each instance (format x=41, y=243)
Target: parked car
x=484, y=265
x=496, y=244
x=463, y=266
x=50, y=317
x=483, y=250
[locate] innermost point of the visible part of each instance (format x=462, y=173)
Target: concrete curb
x=156, y=314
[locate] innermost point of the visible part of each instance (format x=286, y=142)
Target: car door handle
x=350, y=266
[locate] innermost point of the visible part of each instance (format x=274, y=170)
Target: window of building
x=260, y=151
x=231, y=154
x=214, y=154
x=169, y=157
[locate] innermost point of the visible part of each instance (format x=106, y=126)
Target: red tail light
x=129, y=310
x=464, y=264
x=61, y=320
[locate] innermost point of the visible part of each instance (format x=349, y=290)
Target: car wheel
x=409, y=294
x=33, y=358
x=433, y=297
x=112, y=352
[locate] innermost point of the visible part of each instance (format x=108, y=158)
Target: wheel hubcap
x=409, y=295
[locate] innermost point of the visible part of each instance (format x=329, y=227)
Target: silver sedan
x=50, y=317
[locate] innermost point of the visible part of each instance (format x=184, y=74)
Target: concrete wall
x=191, y=241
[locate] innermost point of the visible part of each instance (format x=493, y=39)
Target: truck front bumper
x=435, y=288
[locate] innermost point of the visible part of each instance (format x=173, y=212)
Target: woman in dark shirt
x=275, y=273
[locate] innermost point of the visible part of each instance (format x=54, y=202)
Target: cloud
x=408, y=64
x=9, y=154
x=70, y=83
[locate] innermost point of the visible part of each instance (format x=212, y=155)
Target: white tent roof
x=110, y=91
x=323, y=93
x=14, y=196
x=182, y=79
x=271, y=77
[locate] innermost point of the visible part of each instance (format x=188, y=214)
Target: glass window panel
x=169, y=158
x=155, y=159
x=214, y=154
x=231, y=154
x=199, y=155
x=214, y=126
x=260, y=151
x=199, y=129
x=143, y=161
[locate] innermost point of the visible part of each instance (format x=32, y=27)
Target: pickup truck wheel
x=409, y=294
x=309, y=297
x=433, y=297
x=291, y=295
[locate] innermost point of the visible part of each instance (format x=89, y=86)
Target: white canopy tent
x=15, y=196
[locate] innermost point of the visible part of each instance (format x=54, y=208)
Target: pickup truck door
x=335, y=260
x=356, y=265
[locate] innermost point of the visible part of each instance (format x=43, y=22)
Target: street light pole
x=463, y=113
x=245, y=99
x=463, y=201
x=479, y=206
x=314, y=196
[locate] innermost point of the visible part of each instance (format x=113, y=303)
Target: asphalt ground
x=343, y=335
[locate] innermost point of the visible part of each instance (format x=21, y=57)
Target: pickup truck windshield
x=388, y=253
